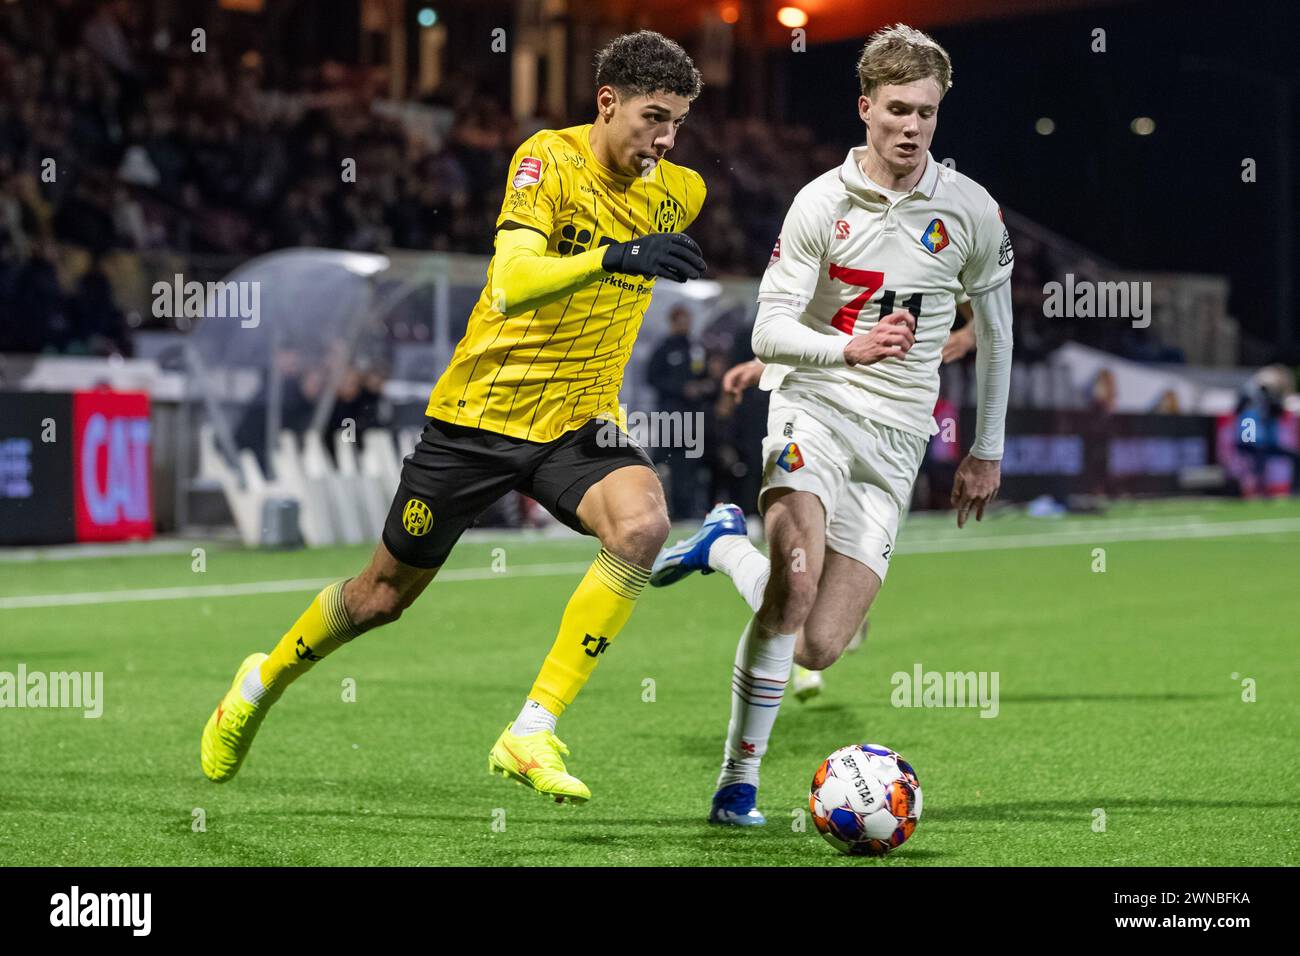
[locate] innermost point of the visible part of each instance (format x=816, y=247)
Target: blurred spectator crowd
x=119, y=140
x=113, y=139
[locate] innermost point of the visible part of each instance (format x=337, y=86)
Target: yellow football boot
x=536, y=761
x=806, y=684
x=231, y=728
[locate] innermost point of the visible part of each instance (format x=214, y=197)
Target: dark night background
x=1173, y=200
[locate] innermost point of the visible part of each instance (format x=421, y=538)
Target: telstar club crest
x=935, y=237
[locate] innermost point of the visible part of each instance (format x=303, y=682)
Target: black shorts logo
x=416, y=518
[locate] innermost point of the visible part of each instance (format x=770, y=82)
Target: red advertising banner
x=946, y=446
x=112, y=494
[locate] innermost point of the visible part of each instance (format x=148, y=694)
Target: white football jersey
x=847, y=257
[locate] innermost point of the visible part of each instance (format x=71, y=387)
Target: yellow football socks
x=322, y=629
x=595, y=614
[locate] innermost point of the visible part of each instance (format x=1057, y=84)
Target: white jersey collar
x=853, y=180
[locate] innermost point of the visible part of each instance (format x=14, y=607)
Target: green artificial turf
x=1120, y=692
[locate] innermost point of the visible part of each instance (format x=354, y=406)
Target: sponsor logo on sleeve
x=1005, y=255
x=529, y=173
x=776, y=252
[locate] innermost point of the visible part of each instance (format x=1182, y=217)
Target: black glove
x=667, y=255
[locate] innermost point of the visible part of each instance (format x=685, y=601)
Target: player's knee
x=800, y=590
x=815, y=657
x=639, y=538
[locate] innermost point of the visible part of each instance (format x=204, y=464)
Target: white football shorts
x=860, y=469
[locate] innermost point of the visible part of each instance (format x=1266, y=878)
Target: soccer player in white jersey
x=854, y=309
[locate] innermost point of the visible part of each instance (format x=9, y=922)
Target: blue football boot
x=733, y=805
x=692, y=554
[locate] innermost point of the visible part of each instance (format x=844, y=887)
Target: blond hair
x=901, y=54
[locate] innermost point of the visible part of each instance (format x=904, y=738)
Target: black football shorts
x=456, y=473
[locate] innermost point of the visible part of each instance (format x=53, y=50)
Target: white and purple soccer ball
x=865, y=800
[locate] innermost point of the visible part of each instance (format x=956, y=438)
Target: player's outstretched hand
x=740, y=377
x=959, y=344
x=663, y=255
x=974, y=486
x=891, y=337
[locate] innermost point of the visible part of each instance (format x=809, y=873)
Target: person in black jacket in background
x=678, y=375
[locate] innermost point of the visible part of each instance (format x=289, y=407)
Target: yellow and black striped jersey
x=542, y=373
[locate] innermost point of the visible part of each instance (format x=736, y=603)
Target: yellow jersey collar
x=621, y=179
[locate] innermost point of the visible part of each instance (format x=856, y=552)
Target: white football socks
x=758, y=680
x=736, y=557
x=251, y=687
x=532, y=718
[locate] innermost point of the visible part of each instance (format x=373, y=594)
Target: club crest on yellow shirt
x=668, y=215
x=416, y=518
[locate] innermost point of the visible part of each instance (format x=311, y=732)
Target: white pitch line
x=1223, y=529
x=929, y=530
x=266, y=587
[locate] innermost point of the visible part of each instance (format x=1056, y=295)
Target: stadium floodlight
x=791, y=17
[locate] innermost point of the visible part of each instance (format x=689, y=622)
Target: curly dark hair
x=638, y=64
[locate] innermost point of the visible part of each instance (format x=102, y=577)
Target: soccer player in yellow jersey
x=592, y=217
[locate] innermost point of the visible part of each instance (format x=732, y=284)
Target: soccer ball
x=865, y=800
